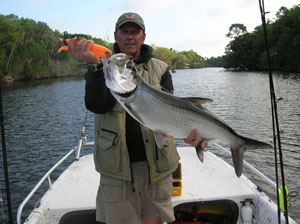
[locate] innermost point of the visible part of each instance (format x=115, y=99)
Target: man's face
x=130, y=38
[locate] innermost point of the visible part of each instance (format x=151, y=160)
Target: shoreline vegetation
x=29, y=49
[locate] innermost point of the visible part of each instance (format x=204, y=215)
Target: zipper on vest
x=112, y=132
x=156, y=152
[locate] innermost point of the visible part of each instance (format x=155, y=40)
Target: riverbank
x=55, y=70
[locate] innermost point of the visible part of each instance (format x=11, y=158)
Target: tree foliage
x=29, y=50
x=215, y=61
x=236, y=30
x=247, y=51
x=178, y=59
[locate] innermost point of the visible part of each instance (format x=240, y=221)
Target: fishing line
x=2, y=205
x=4, y=155
x=275, y=123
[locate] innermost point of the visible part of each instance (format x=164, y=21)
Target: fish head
x=119, y=73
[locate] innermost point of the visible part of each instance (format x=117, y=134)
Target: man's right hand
x=194, y=139
x=80, y=49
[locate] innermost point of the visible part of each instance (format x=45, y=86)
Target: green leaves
x=176, y=59
x=235, y=30
x=247, y=51
x=29, y=50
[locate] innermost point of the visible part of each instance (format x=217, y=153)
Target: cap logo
x=130, y=16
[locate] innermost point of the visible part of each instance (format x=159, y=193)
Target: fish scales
x=168, y=114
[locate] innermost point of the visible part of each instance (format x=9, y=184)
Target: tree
x=236, y=49
x=215, y=62
x=235, y=30
x=9, y=37
x=194, y=60
x=180, y=60
x=247, y=51
x=165, y=55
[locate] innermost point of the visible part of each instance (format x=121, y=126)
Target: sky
x=198, y=25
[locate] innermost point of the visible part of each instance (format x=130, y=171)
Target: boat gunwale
x=47, y=176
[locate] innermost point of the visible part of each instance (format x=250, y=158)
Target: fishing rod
x=275, y=123
x=4, y=153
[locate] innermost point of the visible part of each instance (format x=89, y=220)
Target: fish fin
x=237, y=158
x=255, y=144
x=198, y=100
x=200, y=153
x=197, y=103
x=160, y=139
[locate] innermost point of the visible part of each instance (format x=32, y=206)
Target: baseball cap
x=130, y=17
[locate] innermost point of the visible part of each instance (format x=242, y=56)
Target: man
x=136, y=177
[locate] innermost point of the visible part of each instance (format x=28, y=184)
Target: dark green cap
x=130, y=17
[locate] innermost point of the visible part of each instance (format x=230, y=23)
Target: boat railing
x=252, y=168
x=76, y=150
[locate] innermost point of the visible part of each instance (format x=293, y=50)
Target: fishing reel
x=69, y=36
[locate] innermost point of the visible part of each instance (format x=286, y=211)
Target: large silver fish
x=167, y=114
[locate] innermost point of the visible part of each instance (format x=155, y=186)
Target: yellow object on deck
x=177, y=183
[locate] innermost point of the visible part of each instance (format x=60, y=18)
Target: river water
x=43, y=120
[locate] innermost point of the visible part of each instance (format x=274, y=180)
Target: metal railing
x=252, y=168
x=76, y=150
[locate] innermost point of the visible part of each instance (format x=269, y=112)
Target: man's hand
x=194, y=139
x=80, y=49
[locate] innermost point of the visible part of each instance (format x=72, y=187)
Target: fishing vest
x=111, y=155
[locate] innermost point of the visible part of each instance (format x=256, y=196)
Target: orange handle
x=96, y=49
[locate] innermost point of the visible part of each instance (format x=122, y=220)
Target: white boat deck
x=77, y=187
x=206, y=181
x=214, y=179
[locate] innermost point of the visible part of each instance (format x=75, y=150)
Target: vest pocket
x=112, y=189
x=107, y=153
x=107, y=138
x=161, y=190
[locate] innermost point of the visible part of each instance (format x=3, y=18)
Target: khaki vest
x=111, y=155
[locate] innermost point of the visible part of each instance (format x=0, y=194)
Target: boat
x=208, y=192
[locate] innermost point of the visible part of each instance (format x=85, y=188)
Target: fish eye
x=118, y=57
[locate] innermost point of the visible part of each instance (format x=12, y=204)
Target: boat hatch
x=212, y=212
x=209, y=212
x=79, y=217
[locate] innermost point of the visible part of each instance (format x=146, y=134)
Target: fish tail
x=237, y=151
x=237, y=158
x=254, y=144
